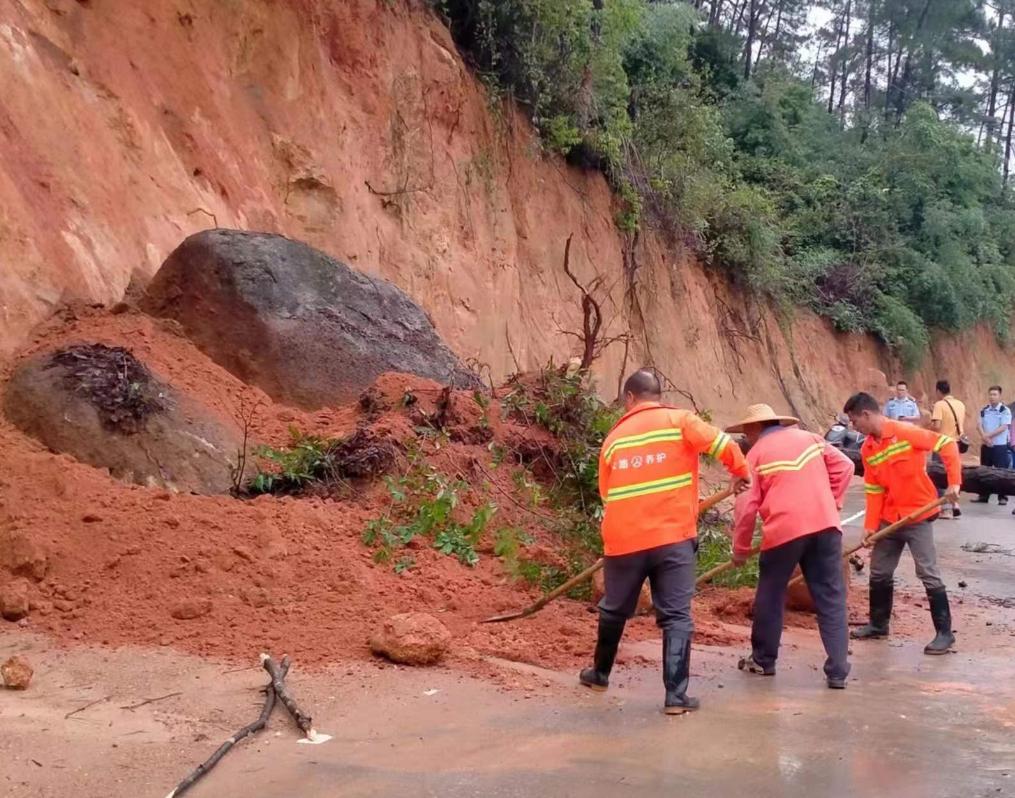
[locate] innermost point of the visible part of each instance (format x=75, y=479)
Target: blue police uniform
x=996, y=454
x=897, y=408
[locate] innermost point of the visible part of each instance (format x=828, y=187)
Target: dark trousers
x=920, y=538
x=994, y=457
x=670, y=571
x=820, y=558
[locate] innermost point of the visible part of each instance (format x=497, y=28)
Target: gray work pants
x=670, y=571
x=920, y=539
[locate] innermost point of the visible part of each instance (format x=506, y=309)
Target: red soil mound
x=110, y=563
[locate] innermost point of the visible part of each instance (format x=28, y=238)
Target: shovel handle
x=883, y=533
x=712, y=573
x=577, y=579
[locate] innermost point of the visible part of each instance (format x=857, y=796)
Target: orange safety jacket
x=648, y=476
x=895, y=471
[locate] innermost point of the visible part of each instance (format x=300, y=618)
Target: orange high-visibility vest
x=895, y=471
x=648, y=476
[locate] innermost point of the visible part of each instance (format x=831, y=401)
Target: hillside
x=172, y=116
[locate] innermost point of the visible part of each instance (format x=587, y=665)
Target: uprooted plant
x=564, y=404
x=311, y=461
x=118, y=385
x=425, y=504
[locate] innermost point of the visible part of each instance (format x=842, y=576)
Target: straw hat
x=759, y=414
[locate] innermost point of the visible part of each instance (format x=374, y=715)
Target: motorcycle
x=842, y=436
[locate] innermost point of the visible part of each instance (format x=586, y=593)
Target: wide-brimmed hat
x=760, y=414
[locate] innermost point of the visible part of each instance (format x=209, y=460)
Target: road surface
x=907, y=726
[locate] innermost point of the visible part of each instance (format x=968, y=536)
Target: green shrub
x=307, y=459
x=423, y=505
x=716, y=548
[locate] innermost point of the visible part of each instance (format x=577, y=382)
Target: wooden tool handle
x=883, y=533
x=712, y=573
x=714, y=499
x=577, y=579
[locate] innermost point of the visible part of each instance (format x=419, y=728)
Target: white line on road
x=852, y=518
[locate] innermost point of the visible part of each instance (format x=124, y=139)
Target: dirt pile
x=113, y=563
x=101, y=405
x=285, y=317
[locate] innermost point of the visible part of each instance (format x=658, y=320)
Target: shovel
x=884, y=532
x=712, y=573
x=532, y=609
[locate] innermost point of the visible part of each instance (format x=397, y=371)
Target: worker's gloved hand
x=867, y=534
x=952, y=494
x=740, y=558
x=739, y=485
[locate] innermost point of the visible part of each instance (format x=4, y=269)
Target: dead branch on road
x=90, y=704
x=147, y=701
x=275, y=689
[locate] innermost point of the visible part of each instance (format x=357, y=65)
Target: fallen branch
x=246, y=731
x=151, y=701
x=70, y=715
x=278, y=673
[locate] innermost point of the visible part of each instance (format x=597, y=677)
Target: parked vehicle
x=841, y=435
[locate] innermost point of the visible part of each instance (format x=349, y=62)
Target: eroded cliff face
x=355, y=126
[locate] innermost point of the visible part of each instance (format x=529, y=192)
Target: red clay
x=228, y=578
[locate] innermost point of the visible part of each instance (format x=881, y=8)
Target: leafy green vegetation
x=580, y=421
x=307, y=459
x=320, y=463
x=864, y=175
x=716, y=548
x=423, y=506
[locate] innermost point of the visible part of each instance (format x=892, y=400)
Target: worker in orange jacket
x=648, y=480
x=896, y=485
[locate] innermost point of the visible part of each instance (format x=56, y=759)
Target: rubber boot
x=598, y=676
x=677, y=673
x=941, y=614
x=881, y=593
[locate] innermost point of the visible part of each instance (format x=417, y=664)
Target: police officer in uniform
x=995, y=427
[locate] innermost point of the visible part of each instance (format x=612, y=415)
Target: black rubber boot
x=598, y=676
x=941, y=614
x=677, y=673
x=881, y=594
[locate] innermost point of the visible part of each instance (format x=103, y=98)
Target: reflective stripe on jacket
x=798, y=482
x=648, y=476
x=895, y=471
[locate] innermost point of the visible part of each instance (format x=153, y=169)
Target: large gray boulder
x=102, y=406
x=302, y=326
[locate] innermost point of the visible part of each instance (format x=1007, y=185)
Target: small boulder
x=188, y=609
x=799, y=598
x=102, y=406
x=17, y=673
x=412, y=638
x=14, y=601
